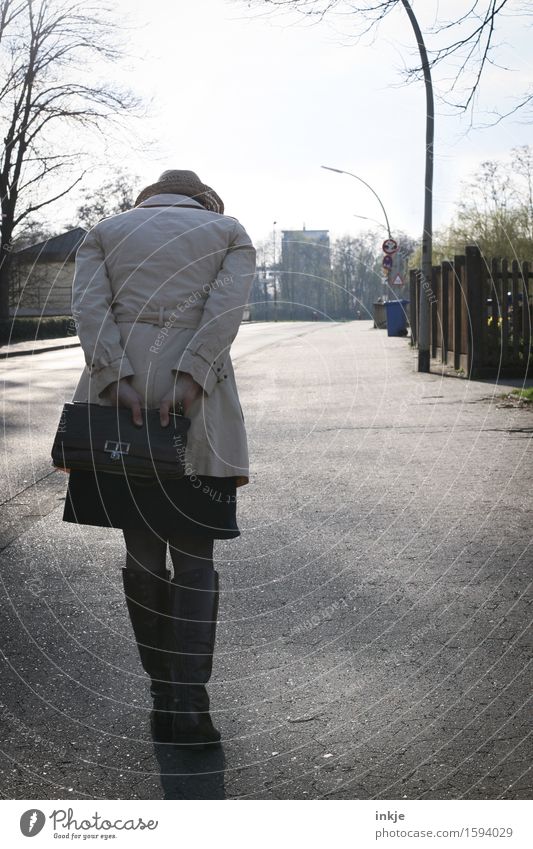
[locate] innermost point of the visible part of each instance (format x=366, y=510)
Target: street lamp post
x=339, y=171
x=427, y=235
x=366, y=218
x=349, y=173
x=423, y=334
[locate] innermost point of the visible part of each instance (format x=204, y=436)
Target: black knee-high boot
x=148, y=601
x=194, y=598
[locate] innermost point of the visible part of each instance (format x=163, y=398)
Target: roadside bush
x=27, y=328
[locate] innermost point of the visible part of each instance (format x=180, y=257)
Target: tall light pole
x=366, y=218
x=339, y=171
x=349, y=173
x=427, y=235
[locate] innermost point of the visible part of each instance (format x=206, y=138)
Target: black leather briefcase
x=90, y=436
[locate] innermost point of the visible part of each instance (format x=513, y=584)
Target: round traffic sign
x=390, y=246
x=387, y=261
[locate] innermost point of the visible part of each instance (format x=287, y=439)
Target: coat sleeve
x=206, y=353
x=91, y=309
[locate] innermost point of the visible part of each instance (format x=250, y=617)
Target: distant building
x=41, y=275
x=305, y=274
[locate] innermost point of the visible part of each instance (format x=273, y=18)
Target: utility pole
x=427, y=235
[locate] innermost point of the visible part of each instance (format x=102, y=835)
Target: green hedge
x=36, y=327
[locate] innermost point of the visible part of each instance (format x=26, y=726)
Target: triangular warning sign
x=397, y=281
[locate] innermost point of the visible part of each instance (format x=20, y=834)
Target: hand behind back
x=122, y=394
x=184, y=390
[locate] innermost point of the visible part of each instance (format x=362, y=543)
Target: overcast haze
x=255, y=106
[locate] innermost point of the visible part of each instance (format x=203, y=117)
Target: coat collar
x=169, y=200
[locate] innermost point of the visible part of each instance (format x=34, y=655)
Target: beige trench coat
x=161, y=289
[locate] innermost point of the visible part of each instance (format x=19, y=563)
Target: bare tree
x=494, y=211
x=48, y=94
x=115, y=195
x=357, y=273
x=30, y=232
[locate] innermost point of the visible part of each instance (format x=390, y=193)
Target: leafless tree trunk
x=46, y=51
x=427, y=233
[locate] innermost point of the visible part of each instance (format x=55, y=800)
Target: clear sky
x=255, y=104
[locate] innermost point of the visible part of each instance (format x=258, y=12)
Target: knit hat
x=183, y=183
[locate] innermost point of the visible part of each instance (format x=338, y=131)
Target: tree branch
x=37, y=206
x=479, y=37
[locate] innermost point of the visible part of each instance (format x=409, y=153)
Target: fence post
x=504, y=309
x=444, y=294
x=516, y=313
x=433, y=323
x=475, y=297
x=526, y=315
x=413, y=307
x=458, y=266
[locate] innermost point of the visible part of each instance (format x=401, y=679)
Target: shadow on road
x=191, y=775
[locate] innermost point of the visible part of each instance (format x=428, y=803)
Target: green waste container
x=380, y=316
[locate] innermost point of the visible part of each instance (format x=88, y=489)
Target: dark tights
x=147, y=551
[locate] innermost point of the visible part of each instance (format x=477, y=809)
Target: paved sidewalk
x=38, y=346
x=373, y=635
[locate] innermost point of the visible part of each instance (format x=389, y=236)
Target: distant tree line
x=339, y=281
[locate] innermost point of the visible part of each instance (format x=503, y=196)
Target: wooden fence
x=480, y=314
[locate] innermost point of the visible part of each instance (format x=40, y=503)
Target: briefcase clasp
x=116, y=449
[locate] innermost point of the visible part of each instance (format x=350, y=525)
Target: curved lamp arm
x=339, y=171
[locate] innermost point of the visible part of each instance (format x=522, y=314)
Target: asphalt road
x=374, y=629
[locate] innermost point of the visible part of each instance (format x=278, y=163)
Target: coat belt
x=175, y=317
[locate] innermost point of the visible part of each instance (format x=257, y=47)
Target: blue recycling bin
x=396, y=317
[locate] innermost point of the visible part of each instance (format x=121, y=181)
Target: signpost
x=390, y=248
